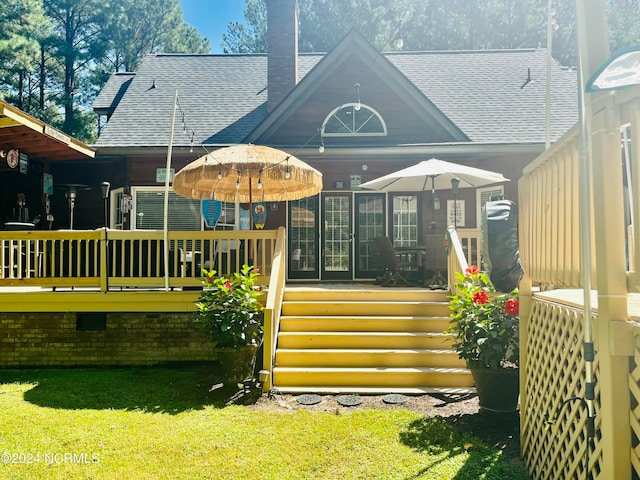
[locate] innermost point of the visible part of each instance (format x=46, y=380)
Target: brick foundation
x=52, y=339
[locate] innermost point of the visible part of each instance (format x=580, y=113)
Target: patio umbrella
x=267, y=173
x=434, y=175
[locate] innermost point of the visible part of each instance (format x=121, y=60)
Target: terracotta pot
x=237, y=363
x=498, y=390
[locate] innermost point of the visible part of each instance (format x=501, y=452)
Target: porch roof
x=37, y=139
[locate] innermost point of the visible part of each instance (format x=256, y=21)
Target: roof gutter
x=466, y=148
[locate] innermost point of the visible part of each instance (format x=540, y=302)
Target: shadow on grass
x=492, y=445
x=168, y=389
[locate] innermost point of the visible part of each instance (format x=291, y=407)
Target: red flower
x=472, y=270
x=227, y=284
x=210, y=278
x=512, y=307
x=480, y=297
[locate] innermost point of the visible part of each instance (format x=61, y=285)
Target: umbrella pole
x=433, y=203
x=250, y=206
x=167, y=180
x=249, y=255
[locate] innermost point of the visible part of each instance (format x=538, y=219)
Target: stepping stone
x=349, y=400
x=308, y=399
x=395, y=399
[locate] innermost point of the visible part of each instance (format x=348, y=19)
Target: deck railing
x=549, y=216
x=273, y=310
x=464, y=250
x=108, y=259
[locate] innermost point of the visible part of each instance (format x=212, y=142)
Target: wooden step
x=367, y=340
x=407, y=377
x=310, y=294
x=359, y=340
x=349, y=358
x=363, y=323
x=368, y=308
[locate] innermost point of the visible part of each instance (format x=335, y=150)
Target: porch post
x=526, y=302
x=104, y=262
x=603, y=140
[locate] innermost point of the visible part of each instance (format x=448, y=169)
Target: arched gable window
x=353, y=119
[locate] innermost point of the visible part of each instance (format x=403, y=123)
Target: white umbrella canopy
x=254, y=172
x=433, y=174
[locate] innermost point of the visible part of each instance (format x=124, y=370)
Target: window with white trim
x=353, y=119
x=116, y=216
x=405, y=220
x=483, y=195
x=227, y=217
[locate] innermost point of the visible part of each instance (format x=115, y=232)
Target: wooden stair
x=368, y=340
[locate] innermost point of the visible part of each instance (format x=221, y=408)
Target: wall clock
x=12, y=158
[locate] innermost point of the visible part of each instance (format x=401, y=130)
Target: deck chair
x=393, y=264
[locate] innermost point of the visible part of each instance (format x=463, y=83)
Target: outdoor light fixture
x=620, y=71
x=321, y=148
x=71, y=195
x=104, y=188
x=356, y=87
x=454, y=185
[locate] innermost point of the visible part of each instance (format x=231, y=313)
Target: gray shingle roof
x=224, y=97
x=482, y=92
x=112, y=91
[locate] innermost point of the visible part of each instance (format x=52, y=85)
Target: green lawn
x=164, y=423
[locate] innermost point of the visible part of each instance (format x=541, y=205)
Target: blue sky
x=211, y=17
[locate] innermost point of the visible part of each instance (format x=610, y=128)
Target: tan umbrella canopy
x=255, y=172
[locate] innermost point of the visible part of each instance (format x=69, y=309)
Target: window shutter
x=184, y=213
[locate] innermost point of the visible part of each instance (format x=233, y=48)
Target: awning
x=36, y=139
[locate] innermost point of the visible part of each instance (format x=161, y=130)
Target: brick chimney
x=282, y=47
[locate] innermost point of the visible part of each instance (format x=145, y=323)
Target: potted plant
x=230, y=311
x=485, y=326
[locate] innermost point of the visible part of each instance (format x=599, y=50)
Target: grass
x=164, y=423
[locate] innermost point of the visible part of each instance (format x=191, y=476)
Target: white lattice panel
x=634, y=414
x=555, y=372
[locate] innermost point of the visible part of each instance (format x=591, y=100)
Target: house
x=353, y=113
x=485, y=109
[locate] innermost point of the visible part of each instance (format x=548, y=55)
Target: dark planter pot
x=498, y=391
x=238, y=364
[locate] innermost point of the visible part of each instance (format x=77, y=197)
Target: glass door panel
x=337, y=239
x=303, y=238
x=370, y=224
